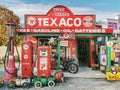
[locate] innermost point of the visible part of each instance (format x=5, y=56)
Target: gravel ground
x=79, y=84
x=75, y=83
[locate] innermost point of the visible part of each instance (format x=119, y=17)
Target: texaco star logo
x=31, y=21
x=87, y=21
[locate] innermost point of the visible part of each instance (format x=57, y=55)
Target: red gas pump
x=44, y=66
x=9, y=63
x=27, y=59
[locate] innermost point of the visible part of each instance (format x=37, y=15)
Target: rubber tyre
x=72, y=68
x=25, y=85
x=11, y=85
x=38, y=85
x=51, y=84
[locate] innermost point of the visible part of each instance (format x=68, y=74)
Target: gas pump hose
x=6, y=58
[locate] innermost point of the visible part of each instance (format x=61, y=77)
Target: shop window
x=43, y=41
x=46, y=42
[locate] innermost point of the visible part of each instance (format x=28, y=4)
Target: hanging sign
x=109, y=43
x=64, y=43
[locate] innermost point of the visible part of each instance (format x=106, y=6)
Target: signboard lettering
x=112, y=23
x=23, y=30
x=61, y=22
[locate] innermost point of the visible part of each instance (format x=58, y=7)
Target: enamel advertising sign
x=60, y=17
x=113, y=23
x=61, y=20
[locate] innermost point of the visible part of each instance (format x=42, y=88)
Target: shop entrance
x=83, y=51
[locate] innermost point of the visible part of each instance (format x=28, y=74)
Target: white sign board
x=63, y=43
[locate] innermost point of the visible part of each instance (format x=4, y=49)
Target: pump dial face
x=25, y=46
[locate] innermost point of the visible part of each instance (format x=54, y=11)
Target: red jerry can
x=44, y=63
x=27, y=59
x=53, y=64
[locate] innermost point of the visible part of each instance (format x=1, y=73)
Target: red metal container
x=53, y=64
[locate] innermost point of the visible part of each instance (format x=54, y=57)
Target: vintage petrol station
x=60, y=41
x=77, y=33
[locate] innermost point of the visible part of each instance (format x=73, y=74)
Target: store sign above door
x=59, y=17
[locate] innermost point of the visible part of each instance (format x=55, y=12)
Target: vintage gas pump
x=27, y=59
x=9, y=63
x=44, y=76
x=44, y=65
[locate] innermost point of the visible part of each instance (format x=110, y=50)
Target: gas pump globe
x=11, y=34
x=10, y=29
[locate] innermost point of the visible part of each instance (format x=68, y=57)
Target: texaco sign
x=61, y=20
x=60, y=17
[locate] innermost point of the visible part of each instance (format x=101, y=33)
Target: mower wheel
x=11, y=85
x=38, y=84
x=51, y=84
x=25, y=85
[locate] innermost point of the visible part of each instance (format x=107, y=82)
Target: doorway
x=83, y=51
